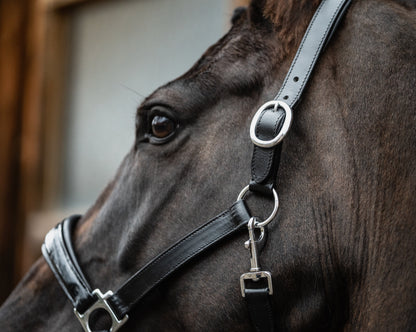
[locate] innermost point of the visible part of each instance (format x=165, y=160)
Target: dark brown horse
x=342, y=249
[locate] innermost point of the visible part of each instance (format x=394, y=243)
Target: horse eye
x=162, y=126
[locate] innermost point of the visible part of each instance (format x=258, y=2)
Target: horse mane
x=289, y=18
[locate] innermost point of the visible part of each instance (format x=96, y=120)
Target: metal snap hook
x=255, y=273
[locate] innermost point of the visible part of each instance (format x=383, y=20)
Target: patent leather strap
x=58, y=252
x=265, y=161
x=269, y=122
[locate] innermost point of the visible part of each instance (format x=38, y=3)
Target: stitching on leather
x=270, y=154
x=182, y=262
x=325, y=35
x=190, y=255
x=69, y=259
x=69, y=263
x=299, y=52
x=316, y=52
x=273, y=151
x=255, y=165
x=227, y=231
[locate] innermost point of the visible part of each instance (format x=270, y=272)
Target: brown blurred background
x=72, y=73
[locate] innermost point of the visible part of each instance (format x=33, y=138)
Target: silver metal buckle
x=101, y=303
x=256, y=276
x=285, y=128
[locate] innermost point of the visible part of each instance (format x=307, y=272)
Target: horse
x=342, y=246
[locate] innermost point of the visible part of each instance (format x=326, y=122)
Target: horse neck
x=351, y=158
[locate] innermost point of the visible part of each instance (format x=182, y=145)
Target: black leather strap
x=321, y=28
x=172, y=259
x=259, y=305
x=58, y=252
x=265, y=161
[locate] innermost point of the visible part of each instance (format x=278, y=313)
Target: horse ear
x=238, y=13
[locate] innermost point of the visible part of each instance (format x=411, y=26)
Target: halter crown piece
x=269, y=126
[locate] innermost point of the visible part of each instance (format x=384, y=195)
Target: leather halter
x=269, y=126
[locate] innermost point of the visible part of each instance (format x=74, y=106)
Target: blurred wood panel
x=56, y=39
x=13, y=28
x=20, y=127
x=31, y=153
x=65, y=4
x=33, y=60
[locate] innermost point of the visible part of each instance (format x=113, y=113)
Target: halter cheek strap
x=270, y=118
x=268, y=128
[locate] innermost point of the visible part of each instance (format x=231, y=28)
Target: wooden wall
x=19, y=129
x=33, y=48
x=33, y=65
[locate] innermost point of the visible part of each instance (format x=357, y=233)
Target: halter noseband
x=269, y=126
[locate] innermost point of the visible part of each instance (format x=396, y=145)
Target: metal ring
x=275, y=208
x=282, y=133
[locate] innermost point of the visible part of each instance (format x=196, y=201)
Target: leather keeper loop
x=265, y=161
x=266, y=190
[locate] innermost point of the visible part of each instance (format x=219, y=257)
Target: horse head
x=341, y=249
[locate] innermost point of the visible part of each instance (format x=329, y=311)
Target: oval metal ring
x=275, y=208
x=282, y=133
